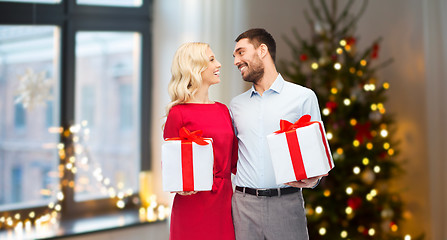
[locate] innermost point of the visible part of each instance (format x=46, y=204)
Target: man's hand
x=186, y=193
x=306, y=183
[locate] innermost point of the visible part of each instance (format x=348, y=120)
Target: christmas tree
x=353, y=202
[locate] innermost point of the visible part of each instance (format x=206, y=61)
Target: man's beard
x=256, y=72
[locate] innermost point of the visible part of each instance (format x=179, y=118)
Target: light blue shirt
x=255, y=117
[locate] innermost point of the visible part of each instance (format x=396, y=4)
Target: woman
x=204, y=214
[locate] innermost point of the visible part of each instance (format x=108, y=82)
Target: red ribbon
x=294, y=147
x=187, y=139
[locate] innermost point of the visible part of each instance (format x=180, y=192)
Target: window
x=28, y=87
x=72, y=87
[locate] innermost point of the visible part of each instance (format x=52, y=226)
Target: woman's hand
x=186, y=193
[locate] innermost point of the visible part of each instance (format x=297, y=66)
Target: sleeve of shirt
x=173, y=123
x=310, y=106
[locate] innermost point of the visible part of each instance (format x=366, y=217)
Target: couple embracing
x=259, y=208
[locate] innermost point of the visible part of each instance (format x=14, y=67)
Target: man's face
x=247, y=60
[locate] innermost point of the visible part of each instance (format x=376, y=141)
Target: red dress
x=206, y=214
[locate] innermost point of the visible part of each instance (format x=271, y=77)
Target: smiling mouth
x=216, y=73
x=242, y=68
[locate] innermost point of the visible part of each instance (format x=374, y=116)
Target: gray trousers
x=269, y=218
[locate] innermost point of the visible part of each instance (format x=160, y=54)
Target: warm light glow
x=347, y=101
x=32, y=214
x=363, y=62
x=349, y=190
x=339, y=50
x=322, y=231
x=352, y=70
x=329, y=135
x=391, y=152
x=348, y=210
x=372, y=232
x=369, y=146
x=353, y=122
x=327, y=193
x=407, y=237
x=344, y=234
x=340, y=151
x=326, y=111
x=383, y=133
x=374, y=107
x=386, y=145
x=314, y=66
x=120, y=204
x=369, y=197
x=319, y=210
x=359, y=73
x=337, y=66
x=394, y=228
x=356, y=143
x=365, y=161
x=376, y=169
x=373, y=192
x=334, y=90
x=342, y=42
x=386, y=85
x=356, y=170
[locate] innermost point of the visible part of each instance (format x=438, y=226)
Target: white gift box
x=173, y=168
x=304, y=153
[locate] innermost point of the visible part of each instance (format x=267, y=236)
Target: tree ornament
x=363, y=132
x=368, y=176
x=355, y=202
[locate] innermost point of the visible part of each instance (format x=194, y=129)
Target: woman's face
x=210, y=75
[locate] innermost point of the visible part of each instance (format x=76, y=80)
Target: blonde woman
x=204, y=214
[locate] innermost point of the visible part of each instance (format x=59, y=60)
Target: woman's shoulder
x=221, y=105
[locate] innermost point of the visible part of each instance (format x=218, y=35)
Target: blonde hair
x=189, y=62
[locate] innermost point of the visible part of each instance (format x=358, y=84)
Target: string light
x=326, y=111
x=386, y=85
x=376, y=169
x=349, y=190
x=407, y=237
x=339, y=51
x=356, y=170
x=371, y=232
x=347, y=101
x=319, y=209
x=322, y=231
x=384, y=133
x=344, y=234
x=337, y=66
x=334, y=90
x=348, y=210
x=365, y=161
x=363, y=62
x=314, y=66
x=329, y=135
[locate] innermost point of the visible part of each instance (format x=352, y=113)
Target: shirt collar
x=276, y=86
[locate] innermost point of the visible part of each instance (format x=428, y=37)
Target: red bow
x=286, y=126
x=186, y=135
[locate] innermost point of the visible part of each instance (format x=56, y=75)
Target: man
x=261, y=208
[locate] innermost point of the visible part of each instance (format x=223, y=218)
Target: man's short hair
x=258, y=36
